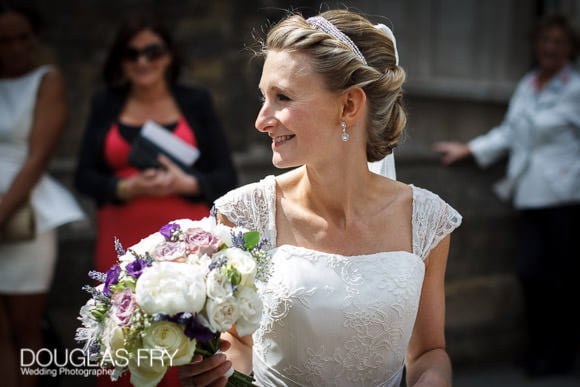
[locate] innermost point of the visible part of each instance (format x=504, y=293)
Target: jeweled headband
x=326, y=26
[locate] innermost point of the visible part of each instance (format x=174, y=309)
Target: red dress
x=134, y=220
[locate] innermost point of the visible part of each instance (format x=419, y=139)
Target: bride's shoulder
x=427, y=204
x=248, y=190
x=425, y=196
x=251, y=205
x=433, y=219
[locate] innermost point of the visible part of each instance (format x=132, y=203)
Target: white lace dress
x=333, y=320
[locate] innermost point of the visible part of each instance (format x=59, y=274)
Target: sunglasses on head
x=151, y=52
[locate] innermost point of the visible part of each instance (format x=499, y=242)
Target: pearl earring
x=345, y=136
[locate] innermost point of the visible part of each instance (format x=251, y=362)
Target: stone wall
x=463, y=59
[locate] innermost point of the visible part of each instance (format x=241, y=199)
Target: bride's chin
x=280, y=163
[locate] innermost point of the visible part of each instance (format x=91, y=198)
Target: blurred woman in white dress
x=33, y=111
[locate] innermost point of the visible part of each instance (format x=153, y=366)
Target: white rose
x=250, y=307
x=171, y=288
x=146, y=245
x=167, y=340
x=146, y=374
x=224, y=233
x=208, y=224
x=222, y=313
x=202, y=262
x=164, y=345
x=244, y=264
x=126, y=259
x=185, y=223
x=218, y=286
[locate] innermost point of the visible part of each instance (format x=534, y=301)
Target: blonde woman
x=356, y=291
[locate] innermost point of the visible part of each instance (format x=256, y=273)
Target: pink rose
x=122, y=306
x=199, y=240
x=170, y=252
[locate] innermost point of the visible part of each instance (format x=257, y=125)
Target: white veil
x=385, y=167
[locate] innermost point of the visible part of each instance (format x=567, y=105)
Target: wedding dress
x=333, y=320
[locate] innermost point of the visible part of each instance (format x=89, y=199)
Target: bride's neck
x=334, y=194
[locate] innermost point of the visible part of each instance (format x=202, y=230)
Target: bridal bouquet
x=170, y=296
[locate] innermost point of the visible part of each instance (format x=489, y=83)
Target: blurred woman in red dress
x=141, y=73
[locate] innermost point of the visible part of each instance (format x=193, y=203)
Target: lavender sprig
x=238, y=240
x=97, y=294
x=217, y=262
x=119, y=248
x=97, y=276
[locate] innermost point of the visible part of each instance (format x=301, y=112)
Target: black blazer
x=213, y=170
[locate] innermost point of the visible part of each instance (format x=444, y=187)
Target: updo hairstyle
x=381, y=79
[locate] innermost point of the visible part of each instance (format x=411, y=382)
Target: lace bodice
x=333, y=320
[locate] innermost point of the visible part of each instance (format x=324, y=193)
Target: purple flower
x=122, y=306
x=197, y=331
x=168, y=230
x=135, y=268
x=170, y=251
x=112, y=278
x=194, y=328
x=199, y=240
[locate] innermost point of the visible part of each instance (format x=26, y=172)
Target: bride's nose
x=265, y=120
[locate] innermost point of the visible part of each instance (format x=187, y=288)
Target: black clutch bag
x=146, y=148
x=144, y=154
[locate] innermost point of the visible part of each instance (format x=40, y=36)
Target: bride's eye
x=282, y=97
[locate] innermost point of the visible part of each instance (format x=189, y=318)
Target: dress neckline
x=25, y=75
x=271, y=180
x=287, y=246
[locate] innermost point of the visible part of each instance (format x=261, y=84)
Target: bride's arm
x=427, y=361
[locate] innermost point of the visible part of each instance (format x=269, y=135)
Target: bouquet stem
x=210, y=348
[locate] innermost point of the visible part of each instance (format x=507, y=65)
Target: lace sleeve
x=252, y=206
x=433, y=220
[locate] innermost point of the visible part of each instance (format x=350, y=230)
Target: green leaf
x=251, y=239
x=233, y=275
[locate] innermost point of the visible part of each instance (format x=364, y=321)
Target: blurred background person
x=541, y=135
x=33, y=109
x=141, y=73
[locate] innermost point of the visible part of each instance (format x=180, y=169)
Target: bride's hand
x=210, y=371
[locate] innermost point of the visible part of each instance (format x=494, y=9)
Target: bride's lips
x=281, y=140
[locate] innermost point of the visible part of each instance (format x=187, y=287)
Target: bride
x=356, y=292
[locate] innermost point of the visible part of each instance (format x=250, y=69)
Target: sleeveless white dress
x=333, y=320
x=27, y=267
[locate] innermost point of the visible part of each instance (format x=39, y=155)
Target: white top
x=541, y=133
x=53, y=204
x=333, y=320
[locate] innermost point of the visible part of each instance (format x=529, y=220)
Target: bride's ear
x=353, y=102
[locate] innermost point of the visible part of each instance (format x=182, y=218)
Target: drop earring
x=345, y=136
